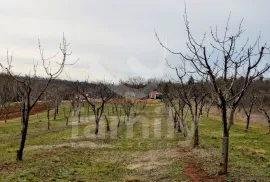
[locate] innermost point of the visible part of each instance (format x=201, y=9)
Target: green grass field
x=146, y=148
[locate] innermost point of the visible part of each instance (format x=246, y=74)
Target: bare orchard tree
x=247, y=104
x=79, y=104
x=67, y=110
x=7, y=95
x=107, y=124
x=139, y=106
x=30, y=87
x=196, y=104
x=127, y=105
x=193, y=94
x=49, y=102
x=133, y=92
x=76, y=106
x=116, y=104
x=118, y=110
x=263, y=103
x=173, y=97
x=58, y=97
x=209, y=102
x=224, y=60
x=165, y=89
x=96, y=95
x=267, y=116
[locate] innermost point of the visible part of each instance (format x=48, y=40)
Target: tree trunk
x=174, y=121
x=79, y=117
x=208, y=111
x=55, y=112
x=268, y=126
x=247, y=124
x=24, y=133
x=57, y=109
x=184, y=127
x=6, y=116
x=48, y=117
x=118, y=124
x=196, y=134
x=107, y=124
x=88, y=111
x=232, y=116
x=184, y=124
x=225, y=154
x=178, y=126
x=25, y=118
x=97, y=126
x=66, y=121
x=225, y=144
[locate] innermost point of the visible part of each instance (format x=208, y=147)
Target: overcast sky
x=115, y=39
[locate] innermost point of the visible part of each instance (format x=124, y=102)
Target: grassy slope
x=249, y=152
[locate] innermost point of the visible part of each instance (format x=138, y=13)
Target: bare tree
x=67, y=112
x=107, y=124
x=209, y=102
x=74, y=105
x=79, y=110
x=127, y=105
x=57, y=95
x=31, y=88
x=196, y=104
x=139, y=106
x=96, y=95
x=6, y=97
x=173, y=96
x=222, y=62
x=133, y=93
x=193, y=94
x=117, y=108
x=48, y=101
x=263, y=103
x=247, y=103
x=267, y=116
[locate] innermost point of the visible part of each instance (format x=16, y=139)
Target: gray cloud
x=116, y=39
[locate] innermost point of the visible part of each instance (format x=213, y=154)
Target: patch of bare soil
x=199, y=175
x=15, y=111
x=82, y=144
x=8, y=167
x=150, y=163
x=195, y=173
x=45, y=154
x=151, y=159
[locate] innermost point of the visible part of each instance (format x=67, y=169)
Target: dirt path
x=193, y=171
x=81, y=144
x=198, y=175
